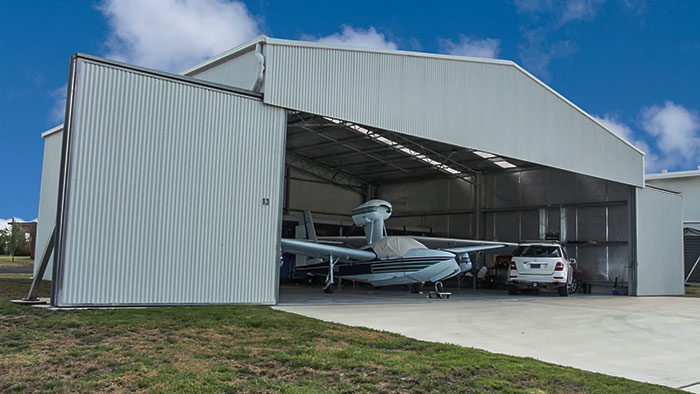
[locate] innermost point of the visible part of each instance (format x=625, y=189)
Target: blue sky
x=631, y=63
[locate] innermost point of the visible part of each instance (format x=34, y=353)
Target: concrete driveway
x=650, y=339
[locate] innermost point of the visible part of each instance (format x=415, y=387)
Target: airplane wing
x=352, y=240
x=430, y=242
x=312, y=249
x=471, y=249
x=447, y=243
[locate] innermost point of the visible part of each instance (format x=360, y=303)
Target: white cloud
x=670, y=136
x=57, y=114
x=563, y=11
x=4, y=223
x=577, y=10
x=351, y=36
x=173, y=35
x=652, y=162
x=612, y=123
x=532, y=6
x=635, y=7
x=676, y=129
x=467, y=46
x=536, y=53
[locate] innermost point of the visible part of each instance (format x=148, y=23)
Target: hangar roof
x=486, y=105
x=674, y=175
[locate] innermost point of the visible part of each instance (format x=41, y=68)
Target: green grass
x=20, y=261
x=251, y=349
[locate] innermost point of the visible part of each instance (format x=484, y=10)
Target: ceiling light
x=503, y=164
x=484, y=154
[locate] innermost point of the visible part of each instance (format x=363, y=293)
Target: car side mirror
x=572, y=261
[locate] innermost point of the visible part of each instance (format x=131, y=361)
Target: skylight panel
x=504, y=164
x=386, y=141
x=485, y=155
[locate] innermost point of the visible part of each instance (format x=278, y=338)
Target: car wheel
x=512, y=290
x=563, y=291
x=573, y=286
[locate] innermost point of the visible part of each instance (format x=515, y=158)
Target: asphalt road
x=650, y=339
x=16, y=270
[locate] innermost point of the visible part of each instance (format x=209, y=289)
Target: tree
x=13, y=238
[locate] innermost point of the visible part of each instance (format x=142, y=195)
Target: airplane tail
x=305, y=230
x=371, y=216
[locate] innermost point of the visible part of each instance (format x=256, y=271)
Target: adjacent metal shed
x=328, y=127
x=687, y=183
x=53, y=140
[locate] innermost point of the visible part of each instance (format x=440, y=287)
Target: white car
x=540, y=265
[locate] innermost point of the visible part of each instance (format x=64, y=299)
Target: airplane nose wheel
x=439, y=292
x=328, y=289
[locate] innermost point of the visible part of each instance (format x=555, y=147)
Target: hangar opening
x=443, y=190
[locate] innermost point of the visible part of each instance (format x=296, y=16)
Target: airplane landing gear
x=416, y=287
x=328, y=288
x=439, y=292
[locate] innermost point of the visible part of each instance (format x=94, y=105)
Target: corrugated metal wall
x=659, y=243
x=48, y=197
x=165, y=188
x=690, y=188
x=494, y=107
x=589, y=215
x=307, y=192
x=240, y=71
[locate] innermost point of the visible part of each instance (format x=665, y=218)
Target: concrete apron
x=648, y=339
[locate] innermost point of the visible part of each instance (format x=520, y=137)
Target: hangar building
x=175, y=189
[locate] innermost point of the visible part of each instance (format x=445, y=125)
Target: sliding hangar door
x=170, y=191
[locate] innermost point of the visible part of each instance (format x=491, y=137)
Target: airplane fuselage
x=417, y=266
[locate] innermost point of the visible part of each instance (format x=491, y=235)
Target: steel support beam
x=32, y=294
x=354, y=148
x=332, y=175
x=508, y=209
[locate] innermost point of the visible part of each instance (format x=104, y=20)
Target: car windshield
x=537, y=251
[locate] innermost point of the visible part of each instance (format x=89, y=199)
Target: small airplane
x=378, y=259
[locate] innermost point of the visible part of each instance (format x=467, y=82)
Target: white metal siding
x=690, y=188
x=659, y=243
x=165, y=188
x=494, y=107
x=48, y=198
x=240, y=71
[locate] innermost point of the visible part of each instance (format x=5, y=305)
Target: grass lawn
x=250, y=348
x=20, y=261
x=692, y=290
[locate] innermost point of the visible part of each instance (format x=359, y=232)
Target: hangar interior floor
x=314, y=295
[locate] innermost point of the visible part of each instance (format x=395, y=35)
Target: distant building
x=30, y=229
x=688, y=184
